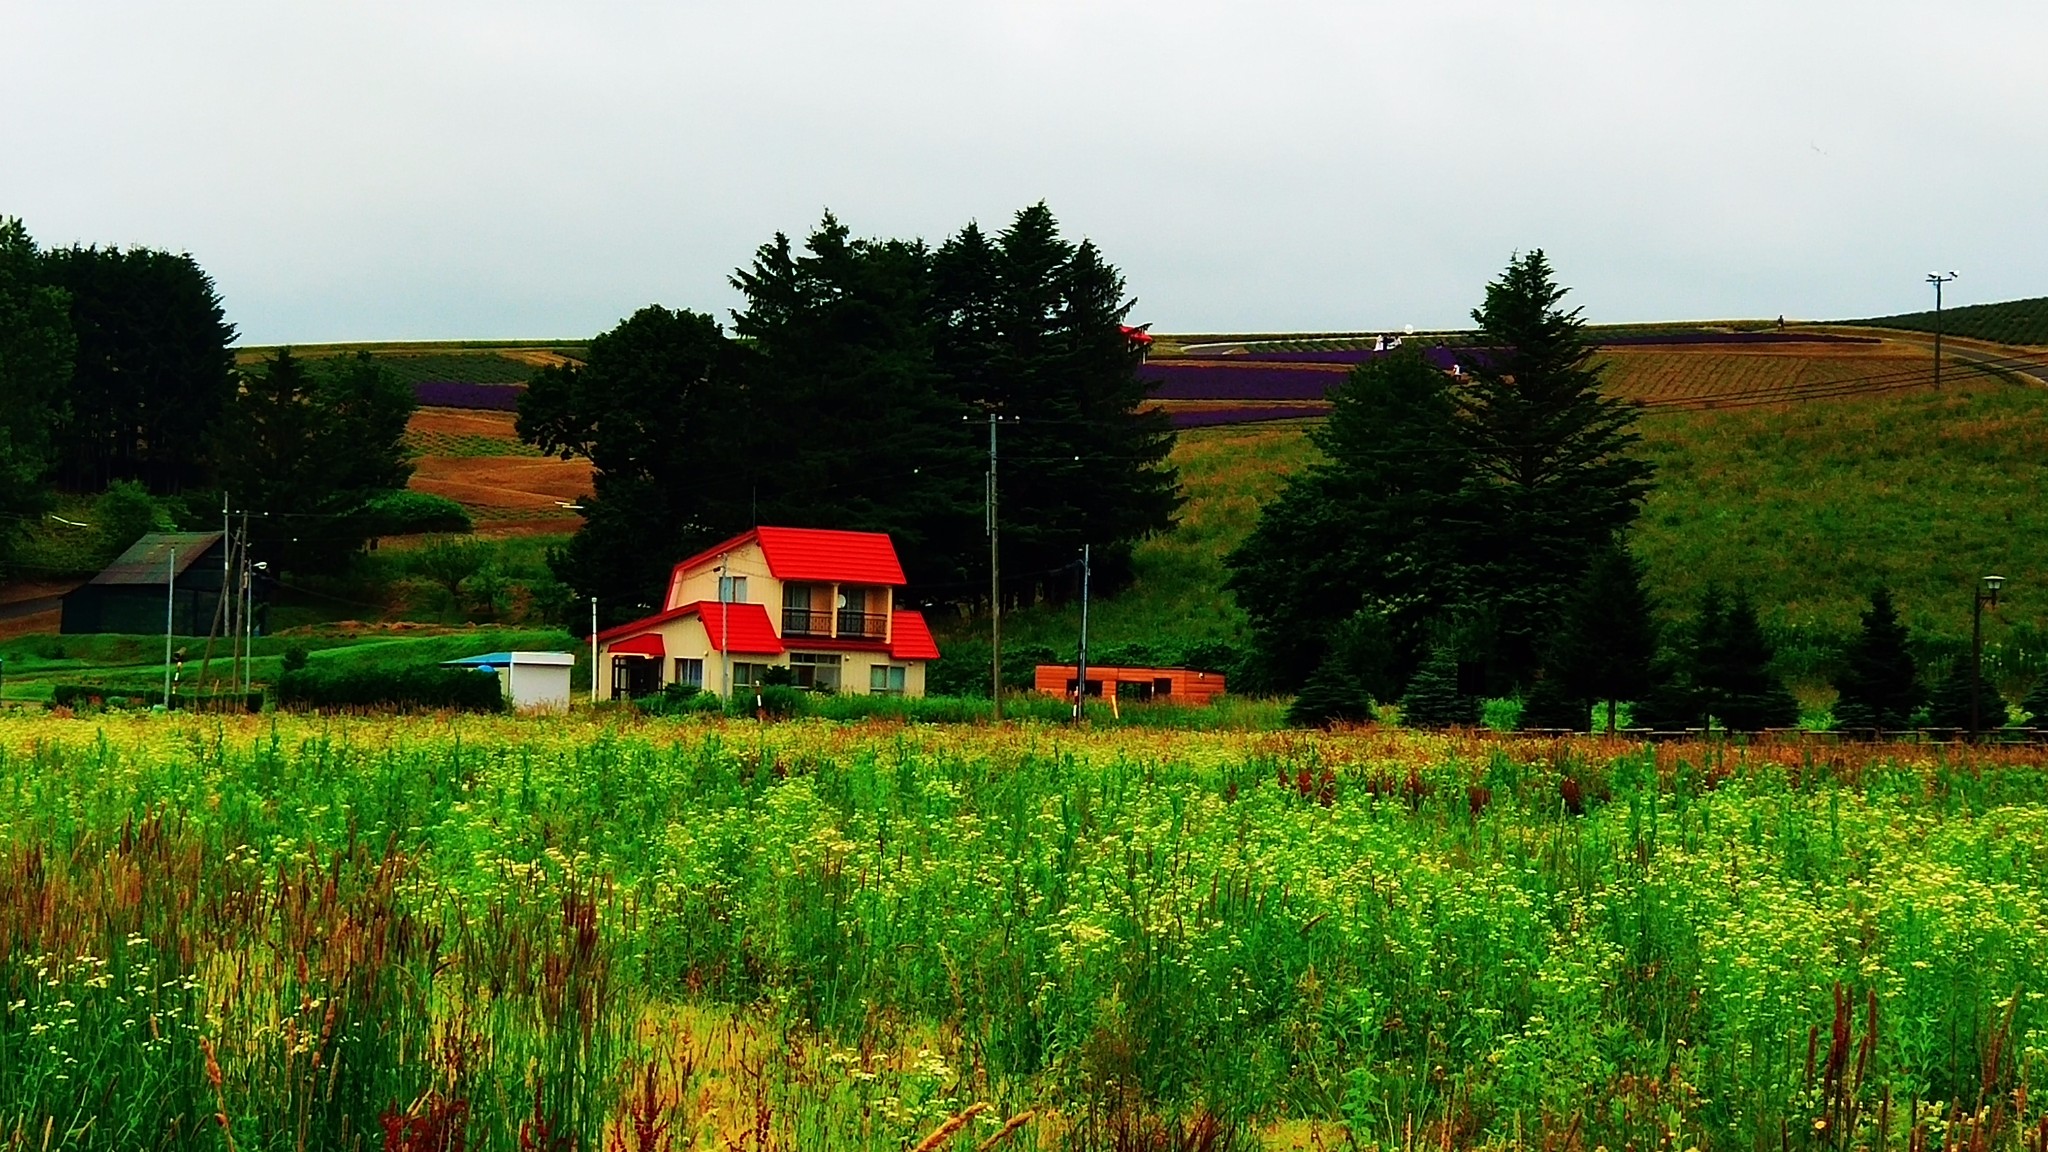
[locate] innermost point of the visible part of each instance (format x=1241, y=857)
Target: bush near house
x=417, y=686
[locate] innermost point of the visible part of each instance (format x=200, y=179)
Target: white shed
x=532, y=681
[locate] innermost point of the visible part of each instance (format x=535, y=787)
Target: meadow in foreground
x=494, y=933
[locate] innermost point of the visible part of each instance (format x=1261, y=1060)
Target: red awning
x=645, y=644
x=910, y=638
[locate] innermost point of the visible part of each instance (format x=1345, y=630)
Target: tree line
x=117, y=376
x=854, y=389
x=1464, y=537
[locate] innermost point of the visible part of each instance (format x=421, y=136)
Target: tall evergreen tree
x=1605, y=647
x=36, y=346
x=660, y=409
x=307, y=447
x=855, y=423
x=1031, y=328
x=2036, y=704
x=1364, y=529
x=1553, y=479
x=1732, y=672
x=153, y=372
x=1879, y=686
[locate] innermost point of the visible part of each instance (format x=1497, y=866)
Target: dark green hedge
x=423, y=686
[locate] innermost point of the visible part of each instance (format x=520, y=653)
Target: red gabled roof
x=910, y=638
x=821, y=554
x=749, y=631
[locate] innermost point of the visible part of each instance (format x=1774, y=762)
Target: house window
x=747, y=677
x=816, y=671
x=886, y=679
x=634, y=677
x=732, y=589
x=690, y=672
x=799, y=618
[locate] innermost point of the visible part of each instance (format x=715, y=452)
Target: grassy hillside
x=1805, y=505
x=2009, y=322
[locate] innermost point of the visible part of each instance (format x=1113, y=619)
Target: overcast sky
x=539, y=168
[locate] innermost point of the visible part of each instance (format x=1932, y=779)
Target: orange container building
x=1179, y=685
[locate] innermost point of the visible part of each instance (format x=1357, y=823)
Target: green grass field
x=273, y=934
x=1807, y=506
x=2009, y=322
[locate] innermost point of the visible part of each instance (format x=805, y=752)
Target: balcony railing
x=806, y=622
x=863, y=625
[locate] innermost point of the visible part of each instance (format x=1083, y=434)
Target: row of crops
x=520, y=934
x=2010, y=322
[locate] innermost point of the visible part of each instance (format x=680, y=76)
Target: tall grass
x=295, y=933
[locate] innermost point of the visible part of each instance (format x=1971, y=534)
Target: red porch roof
x=820, y=554
x=910, y=638
x=749, y=632
x=645, y=644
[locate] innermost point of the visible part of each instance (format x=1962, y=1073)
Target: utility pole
x=1081, y=665
x=995, y=576
x=1937, y=279
x=1986, y=591
x=725, y=627
x=170, y=616
x=593, y=649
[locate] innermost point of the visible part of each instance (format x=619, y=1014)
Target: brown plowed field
x=512, y=493
x=1703, y=376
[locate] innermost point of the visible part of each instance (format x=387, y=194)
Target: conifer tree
x=1949, y=706
x=153, y=375
x=36, y=347
x=854, y=424
x=1605, y=648
x=307, y=447
x=1433, y=699
x=1369, y=527
x=2036, y=704
x=1879, y=686
x=1030, y=327
x=1732, y=672
x=1553, y=477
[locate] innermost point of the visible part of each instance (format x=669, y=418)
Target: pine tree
x=1370, y=527
x=1732, y=672
x=2036, y=704
x=308, y=448
x=153, y=376
x=1949, y=706
x=1605, y=648
x=1550, y=704
x=1030, y=327
x=853, y=423
x=1433, y=699
x=36, y=348
x=1879, y=687
x=1553, y=476
x=1357, y=672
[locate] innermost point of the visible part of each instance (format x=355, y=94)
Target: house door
x=635, y=676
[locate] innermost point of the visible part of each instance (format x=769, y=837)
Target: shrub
x=409, y=513
x=424, y=686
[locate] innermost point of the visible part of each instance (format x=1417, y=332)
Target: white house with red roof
x=817, y=601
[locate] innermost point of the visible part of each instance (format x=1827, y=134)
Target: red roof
x=749, y=631
x=821, y=554
x=910, y=638
x=645, y=644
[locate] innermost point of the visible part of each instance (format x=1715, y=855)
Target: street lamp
x=1987, y=592
x=1937, y=279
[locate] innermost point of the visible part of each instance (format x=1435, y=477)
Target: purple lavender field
x=462, y=394
x=1250, y=414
